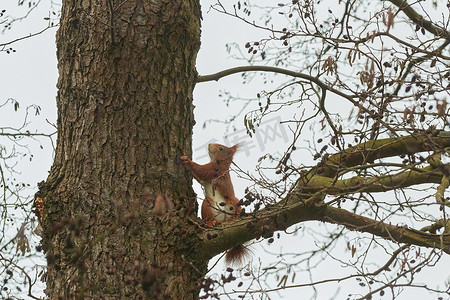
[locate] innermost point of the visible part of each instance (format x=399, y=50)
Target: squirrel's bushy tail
x=238, y=255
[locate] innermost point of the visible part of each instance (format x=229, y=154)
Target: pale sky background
x=29, y=75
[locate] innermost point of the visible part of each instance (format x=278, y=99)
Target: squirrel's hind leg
x=207, y=212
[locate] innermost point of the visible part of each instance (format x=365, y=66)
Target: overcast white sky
x=29, y=75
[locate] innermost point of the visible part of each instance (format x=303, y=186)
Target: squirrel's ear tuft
x=237, y=147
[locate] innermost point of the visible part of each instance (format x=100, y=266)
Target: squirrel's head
x=221, y=152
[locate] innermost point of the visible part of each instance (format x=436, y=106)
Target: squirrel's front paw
x=185, y=159
x=211, y=223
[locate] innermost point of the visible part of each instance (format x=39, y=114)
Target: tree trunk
x=125, y=116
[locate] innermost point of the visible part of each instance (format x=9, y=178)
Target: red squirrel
x=220, y=202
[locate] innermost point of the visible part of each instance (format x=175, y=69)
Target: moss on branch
x=373, y=184
x=370, y=151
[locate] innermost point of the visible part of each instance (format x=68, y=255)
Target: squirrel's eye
x=220, y=148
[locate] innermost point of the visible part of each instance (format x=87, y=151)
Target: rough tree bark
x=125, y=116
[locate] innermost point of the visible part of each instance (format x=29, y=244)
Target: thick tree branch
x=372, y=150
x=374, y=184
x=271, y=219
